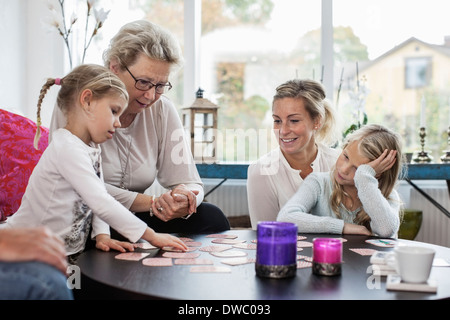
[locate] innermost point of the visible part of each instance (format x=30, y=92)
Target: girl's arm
x=298, y=209
x=384, y=213
x=75, y=166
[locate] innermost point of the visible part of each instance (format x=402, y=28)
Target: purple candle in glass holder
x=327, y=256
x=276, y=249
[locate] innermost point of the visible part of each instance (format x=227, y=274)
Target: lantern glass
x=200, y=123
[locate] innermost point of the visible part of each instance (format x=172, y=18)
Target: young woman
x=66, y=191
x=358, y=196
x=305, y=125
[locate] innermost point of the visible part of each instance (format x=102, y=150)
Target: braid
x=43, y=92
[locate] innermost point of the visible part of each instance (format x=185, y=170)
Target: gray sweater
x=310, y=208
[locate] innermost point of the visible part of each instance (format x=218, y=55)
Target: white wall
x=29, y=55
x=12, y=52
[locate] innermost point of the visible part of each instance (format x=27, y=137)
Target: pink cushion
x=17, y=159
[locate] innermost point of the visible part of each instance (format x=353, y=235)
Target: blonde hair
x=316, y=104
x=143, y=37
x=101, y=81
x=372, y=141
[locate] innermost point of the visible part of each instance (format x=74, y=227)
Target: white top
x=66, y=192
x=153, y=146
x=310, y=207
x=272, y=182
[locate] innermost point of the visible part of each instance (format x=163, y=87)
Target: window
x=404, y=64
x=247, y=48
x=417, y=72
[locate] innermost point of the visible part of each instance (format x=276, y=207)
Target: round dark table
x=104, y=277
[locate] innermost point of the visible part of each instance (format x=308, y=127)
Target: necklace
x=122, y=167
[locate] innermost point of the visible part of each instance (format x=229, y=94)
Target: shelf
x=433, y=171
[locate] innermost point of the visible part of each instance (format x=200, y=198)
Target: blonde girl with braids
x=358, y=196
x=66, y=191
x=306, y=127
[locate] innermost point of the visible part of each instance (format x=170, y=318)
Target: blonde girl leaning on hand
x=358, y=196
x=66, y=191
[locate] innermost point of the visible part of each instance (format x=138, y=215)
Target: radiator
x=231, y=196
x=435, y=227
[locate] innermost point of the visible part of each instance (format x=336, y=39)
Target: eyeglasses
x=145, y=85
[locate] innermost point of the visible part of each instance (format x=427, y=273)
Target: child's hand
x=105, y=243
x=166, y=240
x=384, y=162
x=350, y=228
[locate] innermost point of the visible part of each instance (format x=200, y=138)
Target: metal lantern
x=200, y=123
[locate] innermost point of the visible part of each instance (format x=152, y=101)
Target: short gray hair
x=144, y=37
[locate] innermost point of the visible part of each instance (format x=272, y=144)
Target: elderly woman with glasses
x=150, y=143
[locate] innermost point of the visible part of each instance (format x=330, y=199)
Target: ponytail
x=329, y=132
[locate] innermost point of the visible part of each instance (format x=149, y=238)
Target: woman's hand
x=384, y=162
x=105, y=243
x=182, y=190
x=175, y=203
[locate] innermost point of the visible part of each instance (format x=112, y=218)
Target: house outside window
x=417, y=72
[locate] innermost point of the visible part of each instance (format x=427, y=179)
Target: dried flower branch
x=58, y=21
x=358, y=100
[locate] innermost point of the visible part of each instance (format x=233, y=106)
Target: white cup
x=412, y=263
